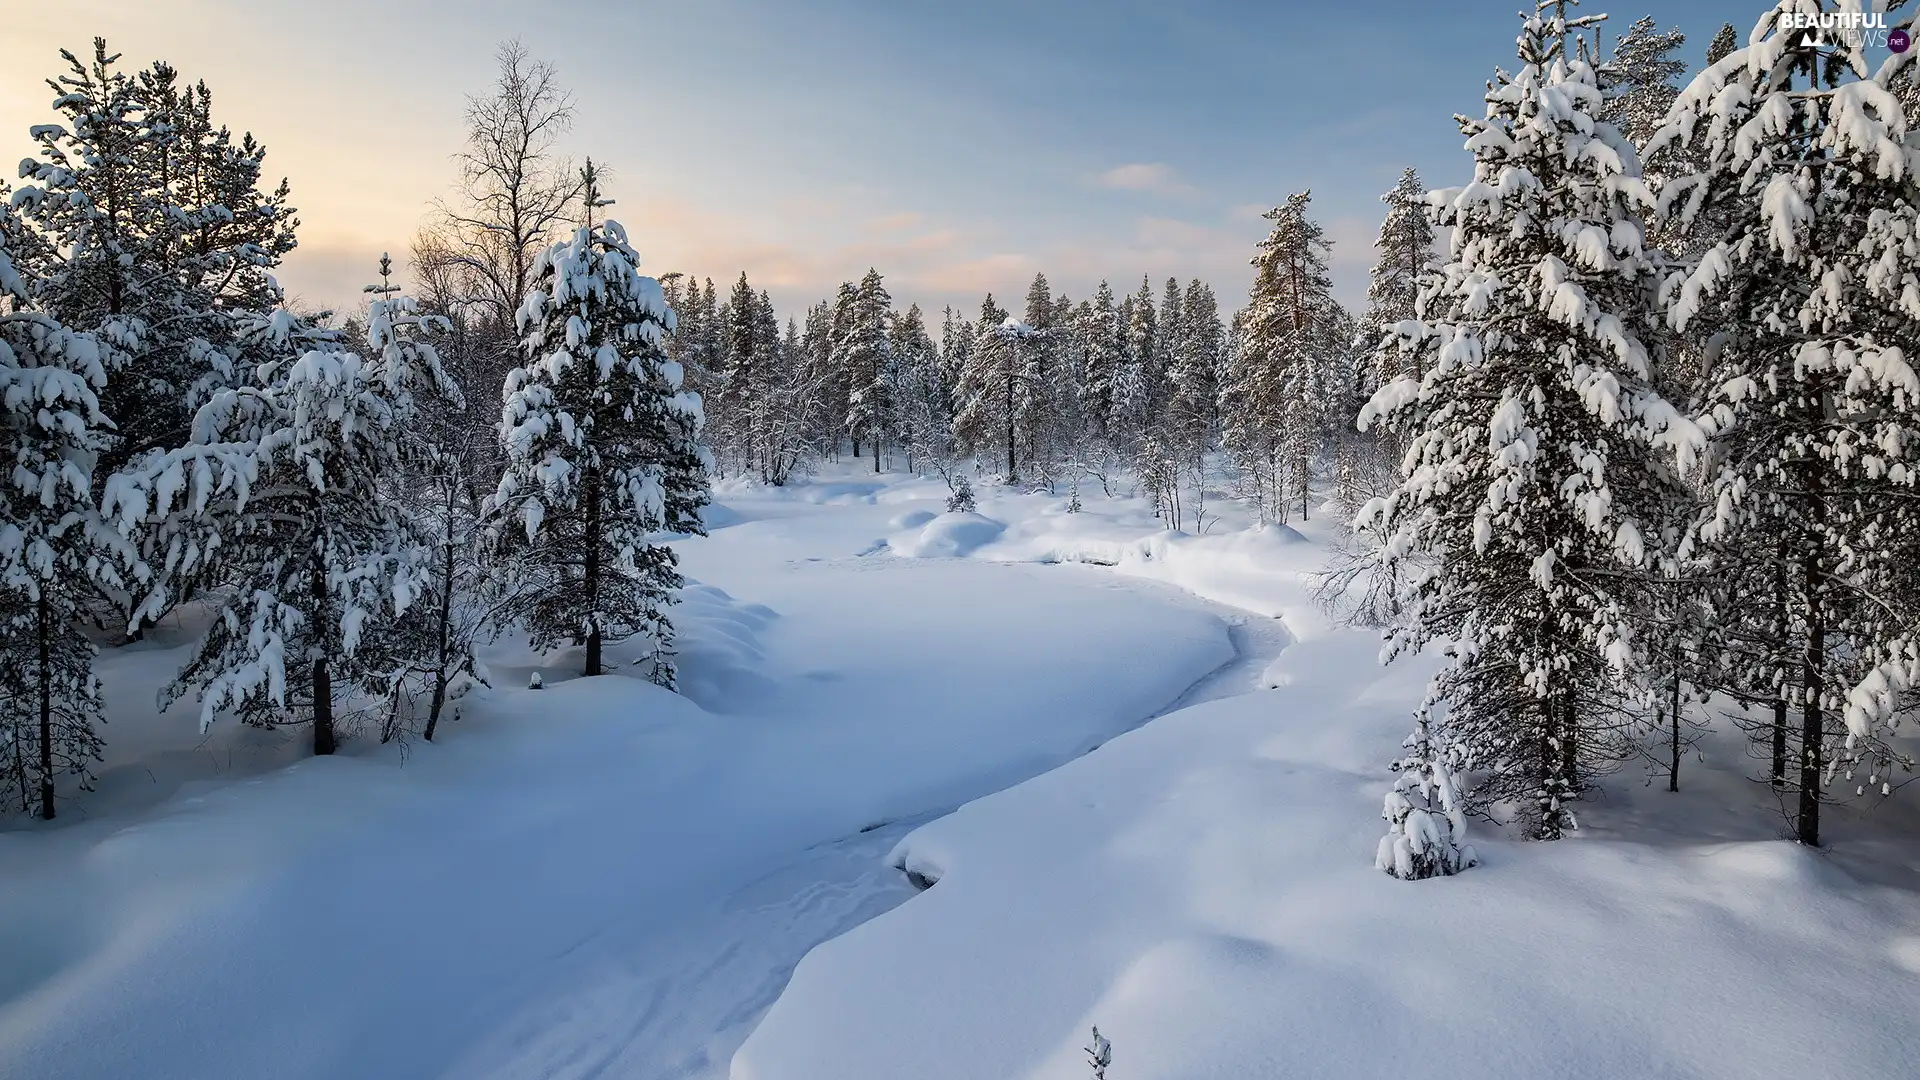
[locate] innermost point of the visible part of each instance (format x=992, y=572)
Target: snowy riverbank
x=1203, y=890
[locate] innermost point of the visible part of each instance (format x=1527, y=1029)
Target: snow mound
x=912, y=519
x=718, y=515
x=950, y=535
x=721, y=659
x=1188, y=883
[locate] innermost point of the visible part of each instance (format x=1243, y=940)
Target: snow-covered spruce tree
x=1805, y=286
x=1194, y=366
x=602, y=449
x=1274, y=400
x=921, y=408
x=1046, y=405
x=283, y=496
x=430, y=646
x=740, y=381
x=54, y=545
x=984, y=419
x=153, y=212
x=1637, y=79
x=864, y=352
x=1725, y=40
x=1405, y=247
x=1534, y=442
x=1426, y=817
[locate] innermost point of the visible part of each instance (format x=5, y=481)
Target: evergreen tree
x=741, y=386
x=1103, y=338
x=1638, y=79
x=1405, y=246
x=54, y=544
x=1532, y=481
x=151, y=213
x=1805, y=285
x=923, y=413
x=864, y=351
x=1724, y=42
x=433, y=640
x=985, y=419
x=602, y=448
x=1275, y=397
x=282, y=493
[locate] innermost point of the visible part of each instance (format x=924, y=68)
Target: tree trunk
x=1012, y=475
x=1305, y=478
x=323, y=742
x=1570, y=743
x=1549, y=825
x=444, y=618
x=1812, y=723
x=876, y=453
x=1673, y=713
x=1779, y=776
x=592, y=576
x=43, y=630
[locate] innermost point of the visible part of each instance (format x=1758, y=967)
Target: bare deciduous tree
x=514, y=188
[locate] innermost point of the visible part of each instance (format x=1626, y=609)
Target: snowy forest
x=1620, y=456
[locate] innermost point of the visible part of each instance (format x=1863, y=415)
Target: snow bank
x=1203, y=890
x=598, y=876
x=949, y=535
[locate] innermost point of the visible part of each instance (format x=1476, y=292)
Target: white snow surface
x=595, y=878
x=1203, y=890
x=600, y=878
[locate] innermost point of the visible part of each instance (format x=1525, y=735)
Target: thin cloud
x=1155, y=177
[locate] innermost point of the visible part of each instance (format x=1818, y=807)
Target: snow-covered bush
x=1426, y=820
x=960, y=496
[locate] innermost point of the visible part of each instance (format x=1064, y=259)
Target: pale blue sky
x=957, y=147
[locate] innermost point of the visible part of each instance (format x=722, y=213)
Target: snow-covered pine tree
x=922, y=413
x=864, y=353
x=54, y=545
x=1103, y=342
x=1426, y=817
x=728, y=406
x=153, y=213
x=1725, y=40
x=984, y=420
x=1805, y=285
x=1274, y=400
x=1193, y=385
x=1139, y=386
x=845, y=310
x=602, y=448
x=1043, y=414
x=283, y=495
x=1637, y=79
x=1533, y=436
x=1405, y=247
x=430, y=645
x=793, y=410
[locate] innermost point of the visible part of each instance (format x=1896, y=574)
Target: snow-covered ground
x=597, y=877
x=1203, y=890
x=604, y=879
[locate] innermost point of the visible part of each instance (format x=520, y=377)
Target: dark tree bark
x=444, y=622
x=323, y=742
x=1779, y=775
x=43, y=629
x=594, y=527
x=1812, y=722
